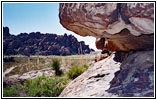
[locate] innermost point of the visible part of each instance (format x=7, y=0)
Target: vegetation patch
x=75, y=71
x=39, y=87
x=44, y=86
x=11, y=91
x=56, y=66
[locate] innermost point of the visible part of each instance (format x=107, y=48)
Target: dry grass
x=24, y=64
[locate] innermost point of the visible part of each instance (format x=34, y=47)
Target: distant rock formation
x=6, y=31
x=36, y=43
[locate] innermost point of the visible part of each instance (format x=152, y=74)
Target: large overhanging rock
x=121, y=26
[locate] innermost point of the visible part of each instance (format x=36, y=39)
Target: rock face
x=29, y=75
x=134, y=77
x=123, y=26
x=128, y=29
x=95, y=81
x=36, y=43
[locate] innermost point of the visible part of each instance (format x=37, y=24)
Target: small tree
x=56, y=66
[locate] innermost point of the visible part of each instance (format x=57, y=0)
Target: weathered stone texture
x=128, y=29
x=95, y=81
x=118, y=23
x=134, y=77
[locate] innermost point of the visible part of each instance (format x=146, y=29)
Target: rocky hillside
x=128, y=30
x=36, y=43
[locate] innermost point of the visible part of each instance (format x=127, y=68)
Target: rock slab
x=134, y=77
x=95, y=81
x=29, y=75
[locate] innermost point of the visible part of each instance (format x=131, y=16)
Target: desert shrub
x=56, y=66
x=11, y=91
x=84, y=66
x=48, y=87
x=39, y=87
x=75, y=71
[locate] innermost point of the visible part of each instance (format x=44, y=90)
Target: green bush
x=56, y=66
x=84, y=66
x=46, y=87
x=76, y=71
x=39, y=87
x=11, y=91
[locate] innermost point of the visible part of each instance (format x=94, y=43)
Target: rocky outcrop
x=118, y=26
x=128, y=29
x=29, y=75
x=101, y=56
x=6, y=31
x=36, y=43
x=134, y=77
x=95, y=81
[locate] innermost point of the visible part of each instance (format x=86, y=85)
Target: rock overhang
x=118, y=23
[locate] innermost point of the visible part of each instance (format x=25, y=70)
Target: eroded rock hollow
x=123, y=26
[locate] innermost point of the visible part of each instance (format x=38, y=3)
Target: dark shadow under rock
x=136, y=77
x=122, y=55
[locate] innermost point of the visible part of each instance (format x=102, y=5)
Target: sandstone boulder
x=100, y=56
x=28, y=75
x=95, y=81
x=124, y=26
x=128, y=29
x=134, y=77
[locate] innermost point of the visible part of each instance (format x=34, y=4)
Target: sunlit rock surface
x=95, y=81
x=134, y=77
x=120, y=27
x=126, y=26
x=28, y=75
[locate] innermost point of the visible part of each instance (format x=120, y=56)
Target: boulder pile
x=36, y=43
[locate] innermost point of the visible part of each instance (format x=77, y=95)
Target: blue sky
x=33, y=17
